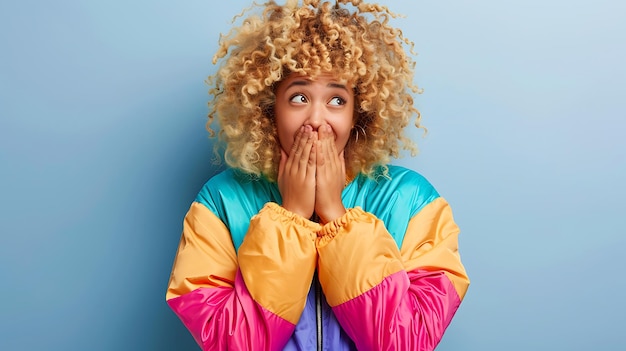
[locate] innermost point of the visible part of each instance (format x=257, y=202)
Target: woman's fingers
x=301, y=150
x=296, y=181
x=283, y=162
x=296, y=148
x=332, y=150
x=342, y=162
x=330, y=177
x=304, y=156
x=312, y=157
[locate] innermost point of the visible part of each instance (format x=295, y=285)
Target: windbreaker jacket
x=250, y=275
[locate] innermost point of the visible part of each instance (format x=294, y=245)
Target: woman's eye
x=337, y=101
x=298, y=99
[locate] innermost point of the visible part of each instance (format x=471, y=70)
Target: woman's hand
x=330, y=177
x=296, y=174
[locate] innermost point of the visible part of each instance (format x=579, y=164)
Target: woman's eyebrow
x=298, y=83
x=337, y=85
x=305, y=82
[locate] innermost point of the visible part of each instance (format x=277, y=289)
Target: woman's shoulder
x=406, y=179
x=233, y=184
x=409, y=188
x=233, y=178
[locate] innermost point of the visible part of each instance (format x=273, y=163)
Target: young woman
x=310, y=240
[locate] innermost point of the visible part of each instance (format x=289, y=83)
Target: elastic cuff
x=279, y=213
x=330, y=229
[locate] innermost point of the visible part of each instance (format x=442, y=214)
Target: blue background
x=103, y=147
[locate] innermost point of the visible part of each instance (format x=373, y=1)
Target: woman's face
x=301, y=101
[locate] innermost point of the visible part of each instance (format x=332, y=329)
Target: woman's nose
x=316, y=116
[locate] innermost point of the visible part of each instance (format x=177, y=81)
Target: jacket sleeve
x=246, y=300
x=391, y=299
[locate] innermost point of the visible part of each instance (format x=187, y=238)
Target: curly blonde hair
x=349, y=39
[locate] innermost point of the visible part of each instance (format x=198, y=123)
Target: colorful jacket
x=250, y=275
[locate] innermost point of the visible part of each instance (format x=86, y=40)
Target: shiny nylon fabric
x=236, y=202
x=386, y=305
x=194, y=307
x=382, y=198
x=304, y=337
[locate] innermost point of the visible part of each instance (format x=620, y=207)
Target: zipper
x=318, y=300
x=318, y=312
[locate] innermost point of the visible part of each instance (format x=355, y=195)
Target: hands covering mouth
x=312, y=177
